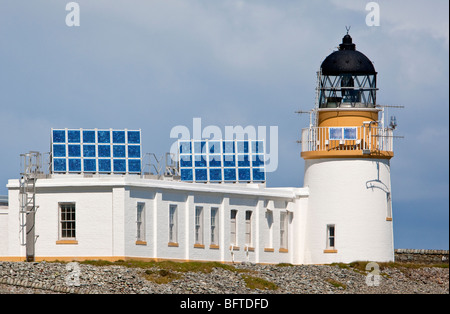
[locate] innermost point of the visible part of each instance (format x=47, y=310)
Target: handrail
x=364, y=138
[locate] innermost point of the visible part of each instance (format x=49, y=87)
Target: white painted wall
x=352, y=194
x=4, y=230
x=349, y=193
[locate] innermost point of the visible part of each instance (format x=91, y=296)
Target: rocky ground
x=50, y=278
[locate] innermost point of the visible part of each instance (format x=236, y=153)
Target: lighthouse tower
x=347, y=151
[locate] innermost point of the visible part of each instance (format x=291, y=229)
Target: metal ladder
x=27, y=195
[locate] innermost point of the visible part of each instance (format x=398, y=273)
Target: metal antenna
x=347, y=28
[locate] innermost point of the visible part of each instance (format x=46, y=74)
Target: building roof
x=68, y=181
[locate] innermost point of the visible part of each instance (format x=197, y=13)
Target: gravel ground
x=51, y=278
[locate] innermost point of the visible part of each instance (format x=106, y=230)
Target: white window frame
x=331, y=236
x=215, y=225
x=248, y=228
x=198, y=225
x=284, y=230
x=140, y=222
x=389, y=205
x=173, y=223
x=269, y=218
x=233, y=227
x=67, y=223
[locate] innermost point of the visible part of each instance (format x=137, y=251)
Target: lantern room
x=347, y=78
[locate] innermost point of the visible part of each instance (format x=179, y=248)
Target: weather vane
x=347, y=28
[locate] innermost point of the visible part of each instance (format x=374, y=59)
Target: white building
x=342, y=214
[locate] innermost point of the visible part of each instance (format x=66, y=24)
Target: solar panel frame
x=107, y=151
x=227, y=161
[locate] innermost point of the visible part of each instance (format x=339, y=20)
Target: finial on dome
x=347, y=43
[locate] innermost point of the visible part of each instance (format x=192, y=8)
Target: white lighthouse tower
x=347, y=152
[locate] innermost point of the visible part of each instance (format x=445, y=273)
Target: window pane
x=67, y=220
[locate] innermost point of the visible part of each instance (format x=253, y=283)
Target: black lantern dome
x=347, y=60
x=347, y=78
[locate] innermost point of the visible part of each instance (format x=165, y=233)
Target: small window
x=198, y=225
x=233, y=231
x=389, y=206
x=248, y=228
x=215, y=226
x=173, y=224
x=140, y=222
x=67, y=222
x=283, y=230
x=269, y=239
x=331, y=237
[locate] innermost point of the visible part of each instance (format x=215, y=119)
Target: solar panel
x=222, y=160
x=96, y=151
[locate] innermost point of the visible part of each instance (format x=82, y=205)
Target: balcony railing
x=367, y=139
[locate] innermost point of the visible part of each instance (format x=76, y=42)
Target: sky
x=157, y=64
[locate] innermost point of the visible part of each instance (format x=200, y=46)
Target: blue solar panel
x=88, y=136
x=104, y=151
x=74, y=150
x=186, y=175
x=229, y=160
x=201, y=174
x=90, y=165
x=73, y=136
x=59, y=164
x=120, y=165
x=222, y=161
x=244, y=174
x=134, y=151
x=59, y=136
x=103, y=136
x=104, y=165
x=88, y=150
x=134, y=165
x=74, y=165
x=215, y=174
x=92, y=151
x=229, y=174
x=59, y=150
x=134, y=137
x=259, y=174
x=119, y=151
x=118, y=136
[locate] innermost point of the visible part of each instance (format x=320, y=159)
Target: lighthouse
x=347, y=151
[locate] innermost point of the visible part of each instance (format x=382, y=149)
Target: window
x=389, y=207
x=233, y=231
x=173, y=224
x=283, y=230
x=248, y=228
x=198, y=225
x=140, y=223
x=67, y=221
x=214, y=226
x=330, y=237
x=269, y=239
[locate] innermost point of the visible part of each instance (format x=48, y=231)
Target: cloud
x=155, y=64
x=408, y=18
